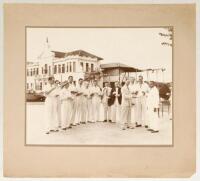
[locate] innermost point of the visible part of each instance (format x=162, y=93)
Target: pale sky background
x=137, y=47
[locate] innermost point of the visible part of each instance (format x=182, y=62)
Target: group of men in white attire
x=133, y=105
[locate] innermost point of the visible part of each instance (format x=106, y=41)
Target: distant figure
x=66, y=106
x=126, y=106
x=152, y=108
x=50, y=112
x=106, y=92
x=141, y=94
x=116, y=99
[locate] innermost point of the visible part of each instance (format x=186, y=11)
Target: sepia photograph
x=99, y=86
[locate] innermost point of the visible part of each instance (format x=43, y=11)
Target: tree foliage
x=168, y=35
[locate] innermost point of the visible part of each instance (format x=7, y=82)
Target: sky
x=137, y=47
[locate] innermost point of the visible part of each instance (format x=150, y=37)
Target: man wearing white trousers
x=105, y=100
x=116, y=98
x=72, y=89
x=126, y=106
x=152, y=108
x=50, y=106
x=80, y=112
x=132, y=87
x=96, y=100
x=141, y=108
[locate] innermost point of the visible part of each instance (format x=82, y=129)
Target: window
x=74, y=66
x=59, y=68
x=42, y=70
x=33, y=71
x=63, y=68
x=70, y=66
x=27, y=72
x=92, y=67
x=87, y=67
x=81, y=64
x=37, y=71
x=49, y=70
x=55, y=69
x=27, y=86
x=67, y=68
x=45, y=69
x=40, y=85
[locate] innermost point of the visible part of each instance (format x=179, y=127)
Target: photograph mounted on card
x=99, y=90
x=96, y=86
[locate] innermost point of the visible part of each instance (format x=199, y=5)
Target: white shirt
x=132, y=87
x=79, y=89
x=140, y=88
x=72, y=87
x=86, y=92
x=47, y=88
x=153, y=98
x=65, y=93
x=95, y=90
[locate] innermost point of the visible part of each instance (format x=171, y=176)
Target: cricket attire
x=86, y=105
x=72, y=89
x=96, y=101
x=80, y=114
x=66, y=107
x=152, y=103
x=141, y=108
x=126, y=107
x=132, y=87
x=58, y=106
x=50, y=109
x=105, y=101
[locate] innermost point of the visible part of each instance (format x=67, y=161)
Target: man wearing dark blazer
x=115, y=101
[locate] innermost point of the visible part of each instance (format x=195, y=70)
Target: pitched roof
x=80, y=53
x=121, y=66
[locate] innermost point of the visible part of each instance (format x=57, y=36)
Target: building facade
x=61, y=65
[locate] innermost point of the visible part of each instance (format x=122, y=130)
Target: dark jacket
x=111, y=101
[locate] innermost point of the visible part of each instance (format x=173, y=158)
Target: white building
x=60, y=65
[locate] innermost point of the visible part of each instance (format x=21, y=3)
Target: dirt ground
x=93, y=133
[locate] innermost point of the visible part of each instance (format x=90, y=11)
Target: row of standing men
x=134, y=105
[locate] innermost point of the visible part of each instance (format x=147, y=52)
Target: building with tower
x=60, y=65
